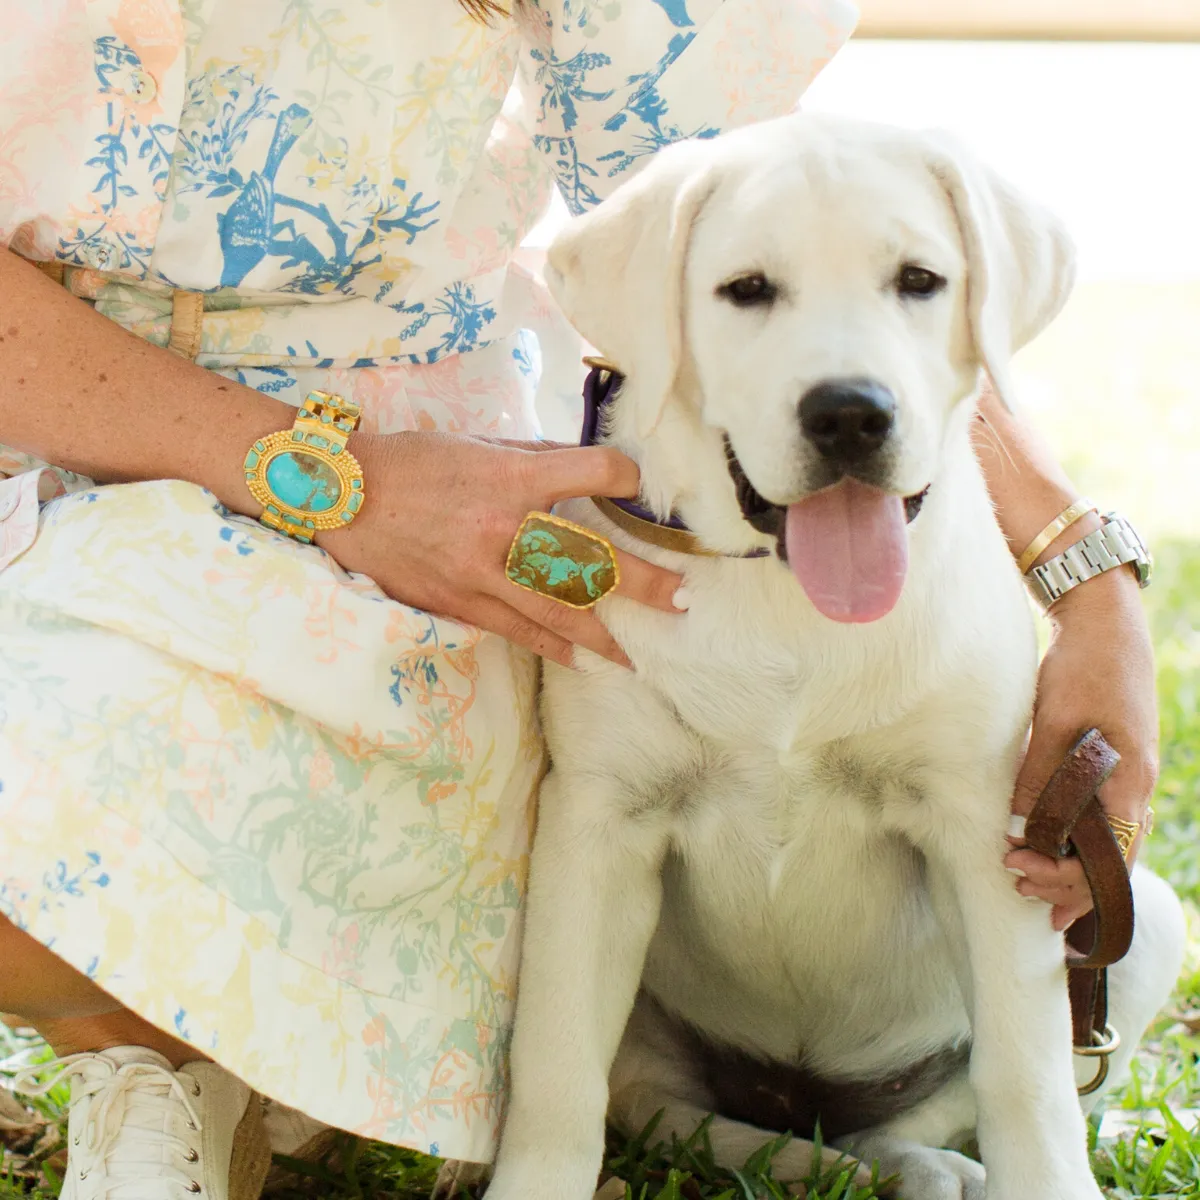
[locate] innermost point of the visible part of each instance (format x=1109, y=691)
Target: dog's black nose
x=847, y=419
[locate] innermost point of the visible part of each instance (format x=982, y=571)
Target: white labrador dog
x=778, y=844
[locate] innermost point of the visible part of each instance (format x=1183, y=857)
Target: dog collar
x=599, y=391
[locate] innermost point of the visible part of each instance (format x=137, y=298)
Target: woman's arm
x=1099, y=669
x=1025, y=479
x=84, y=394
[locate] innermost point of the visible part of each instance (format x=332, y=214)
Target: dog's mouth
x=846, y=544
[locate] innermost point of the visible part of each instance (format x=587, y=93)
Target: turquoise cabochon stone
x=303, y=482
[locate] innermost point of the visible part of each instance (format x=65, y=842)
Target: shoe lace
x=142, y=1091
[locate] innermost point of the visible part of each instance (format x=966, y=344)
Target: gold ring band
x=562, y=561
x=1125, y=833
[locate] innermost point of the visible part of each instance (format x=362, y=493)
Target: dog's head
x=814, y=298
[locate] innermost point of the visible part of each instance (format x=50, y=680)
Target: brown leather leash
x=1068, y=819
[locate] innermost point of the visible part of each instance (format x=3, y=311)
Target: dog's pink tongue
x=848, y=547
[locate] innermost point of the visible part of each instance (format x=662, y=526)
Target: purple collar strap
x=599, y=391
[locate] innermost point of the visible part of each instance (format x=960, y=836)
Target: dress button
x=142, y=87
x=98, y=256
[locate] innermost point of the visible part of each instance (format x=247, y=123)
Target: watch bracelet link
x=327, y=409
x=1115, y=544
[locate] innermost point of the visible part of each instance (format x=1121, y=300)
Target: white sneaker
x=140, y=1131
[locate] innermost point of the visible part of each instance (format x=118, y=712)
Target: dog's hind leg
x=923, y=1172
x=1141, y=983
x=655, y=1079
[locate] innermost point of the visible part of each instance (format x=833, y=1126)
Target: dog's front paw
x=543, y=1179
x=457, y=1179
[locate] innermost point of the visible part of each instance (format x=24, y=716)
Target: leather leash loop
x=1066, y=818
x=1071, y=789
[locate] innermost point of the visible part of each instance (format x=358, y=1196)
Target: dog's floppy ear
x=618, y=271
x=1020, y=261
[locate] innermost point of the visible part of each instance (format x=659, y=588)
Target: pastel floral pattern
x=266, y=806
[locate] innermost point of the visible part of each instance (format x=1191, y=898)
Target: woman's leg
x=68, y=1009
x=155, y=1143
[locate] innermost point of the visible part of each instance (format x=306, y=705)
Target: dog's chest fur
x=786, y=757
x=792, y=913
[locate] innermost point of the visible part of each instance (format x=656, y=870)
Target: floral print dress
x=272, y=811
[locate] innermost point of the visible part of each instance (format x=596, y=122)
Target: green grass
x=1156, y=1154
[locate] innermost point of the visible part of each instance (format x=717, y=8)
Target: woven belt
x=187, y=313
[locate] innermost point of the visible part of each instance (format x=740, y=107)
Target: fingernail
x=682, y=599
x=1016, y=871
x=1016, y=826
x=1035, y=899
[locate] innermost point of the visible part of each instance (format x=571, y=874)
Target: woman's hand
x=442, y=511
x=1099, y=671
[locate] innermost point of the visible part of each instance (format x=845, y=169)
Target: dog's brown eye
x=918, y=281
x=749, y=290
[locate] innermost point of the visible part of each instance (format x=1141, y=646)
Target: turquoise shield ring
x=562, y=561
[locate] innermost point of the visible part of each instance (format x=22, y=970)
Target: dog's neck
x=671, y=532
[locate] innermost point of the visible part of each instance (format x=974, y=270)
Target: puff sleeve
x=607, y=83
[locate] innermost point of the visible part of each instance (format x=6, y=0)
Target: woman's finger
x=1046, y=872
x=1126, y=795
x=1049, y=744
x=579, y=626
x=536, y=445
x=1060, y=883
x=498, y=617
x=1054, y=895
x=1064, y=915
x=582, y=471
x=648, y=584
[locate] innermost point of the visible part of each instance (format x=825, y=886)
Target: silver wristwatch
x=1113, y=545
